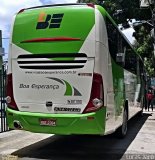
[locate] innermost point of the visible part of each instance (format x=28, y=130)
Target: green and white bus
x=71, y=71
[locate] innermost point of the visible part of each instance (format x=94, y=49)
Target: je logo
x=49, y=21
x=70, y=90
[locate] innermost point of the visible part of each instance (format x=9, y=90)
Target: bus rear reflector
x=91, y=5
x=96, y=98
x=51, y=39
x=9, y=92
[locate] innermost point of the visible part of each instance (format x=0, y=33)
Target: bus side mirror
x=120, y=58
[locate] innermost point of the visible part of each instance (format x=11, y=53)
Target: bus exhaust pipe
x=17, y=124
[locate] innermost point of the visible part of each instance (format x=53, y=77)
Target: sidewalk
x=144, y=142
x=14, y=140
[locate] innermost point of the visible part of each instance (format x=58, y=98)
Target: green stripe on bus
x=68, y=89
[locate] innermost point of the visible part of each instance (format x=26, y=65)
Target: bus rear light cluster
x=9, y=92
x=96, y=98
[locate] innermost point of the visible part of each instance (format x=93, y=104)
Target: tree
x=144, y=46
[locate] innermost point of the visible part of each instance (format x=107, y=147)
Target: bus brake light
x=9, y=92
x=96, y=98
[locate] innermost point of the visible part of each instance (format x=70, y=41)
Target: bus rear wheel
x=122, y=130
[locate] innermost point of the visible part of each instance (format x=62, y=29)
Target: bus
x=72, y=71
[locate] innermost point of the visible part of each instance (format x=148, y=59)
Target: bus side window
x=131, y=60
x=116, y=45
x=112, y=36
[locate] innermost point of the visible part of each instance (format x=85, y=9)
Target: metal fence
x=3, y=124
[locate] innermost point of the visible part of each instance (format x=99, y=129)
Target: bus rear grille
x=52, y=61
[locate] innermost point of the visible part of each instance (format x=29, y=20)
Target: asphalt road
x=139, y=141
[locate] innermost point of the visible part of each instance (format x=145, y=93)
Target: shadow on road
x=84, y=147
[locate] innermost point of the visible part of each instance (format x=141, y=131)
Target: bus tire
x=122, y=130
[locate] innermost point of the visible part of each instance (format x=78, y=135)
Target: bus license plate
x=47, y=122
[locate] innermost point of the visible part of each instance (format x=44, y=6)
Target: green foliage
x=131, y=9
x=144, y=44
x=144, y=47
x=149, y=66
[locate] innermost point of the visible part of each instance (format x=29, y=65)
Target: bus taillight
x=96, y=98
x=9, y=92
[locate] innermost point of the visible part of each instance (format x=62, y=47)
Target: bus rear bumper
x=65, y=124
